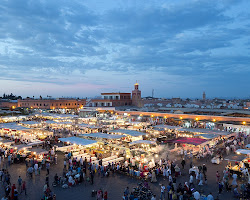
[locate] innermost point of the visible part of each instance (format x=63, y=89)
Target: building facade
x=112, y=99
x=52, y=103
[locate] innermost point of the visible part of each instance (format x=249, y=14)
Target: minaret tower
x=204, y=96
x=136, y=96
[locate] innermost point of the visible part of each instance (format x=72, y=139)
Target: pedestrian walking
x=19, y=181
x=24, y=187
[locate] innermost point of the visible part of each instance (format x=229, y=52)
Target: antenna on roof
x=152, y=93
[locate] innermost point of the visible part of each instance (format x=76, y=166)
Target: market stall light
x=156, y=155
x=165, y=117
x=181, y=117
x=244, y=123
x=214, y=120
x=196, y=118
x=141, y=115
x=152, y=115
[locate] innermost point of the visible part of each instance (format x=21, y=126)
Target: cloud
x=56, y=39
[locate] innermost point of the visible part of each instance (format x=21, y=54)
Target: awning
x=162, y=126
x=13, y=126
x=103, y=135
x=142, y=142
x=78, y=141
x=128, y=132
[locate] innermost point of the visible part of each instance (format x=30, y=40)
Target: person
x=7, y=190
x=15, y=194
x=191, y=180
x=234, y=182
x=153, y=197
x=217, y=177
x=201, y=179
x=20, y=184
x=196, y=195
x=47, y=167
x=183, y=162
x=12, y=191
x=105, y=196
x=24, y=187
x=99, y=194
x=36, y=168
x=204, y=169
x=235, y=192
x=210, y=196
x=126, y=192
x=5, y=198
x=162, y=192
x=153, y=179
x=220, y=187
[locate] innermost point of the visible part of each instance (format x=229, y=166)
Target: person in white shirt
x=196, y=195
x=210, y=197
x=36, y=168
x=162, y=192
x=191, y=180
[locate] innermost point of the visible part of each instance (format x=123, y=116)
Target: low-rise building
x=60, y=103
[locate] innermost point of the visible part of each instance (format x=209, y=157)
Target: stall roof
x=235, y=157
x=78, y=141
x=21, y=146
x=208, y=131
x=166, y=126
x=142, y=142
x=103, y=135
x=13, y=126
x=30, y=122
x=208, y=136
x=39, y=151
x=187, y=140
x=243, y=151
x=128, y=132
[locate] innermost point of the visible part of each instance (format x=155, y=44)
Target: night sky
x=179, y=48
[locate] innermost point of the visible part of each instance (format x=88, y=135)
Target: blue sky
x=82, y=48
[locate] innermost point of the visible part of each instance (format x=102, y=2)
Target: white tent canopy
x=142, y=142
x=162, y=126
x=103, y=135
x=13, y=126
x=128, y=132
x=78, y=141
x=243, y=151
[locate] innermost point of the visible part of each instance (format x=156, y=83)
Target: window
x=60, y=104
x=66, y=104
x=44, y=104
x=75, y=104
x=69, y=104
x=40, y=104
x=52, y=104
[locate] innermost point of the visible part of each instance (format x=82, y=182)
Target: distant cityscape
x=130, y=101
